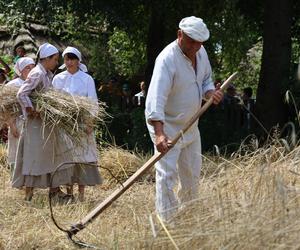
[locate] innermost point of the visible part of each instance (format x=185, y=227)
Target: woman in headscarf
x=76, y=82
x=39, y=151
x=22, y=68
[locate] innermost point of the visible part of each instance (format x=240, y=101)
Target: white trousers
x=183, y=163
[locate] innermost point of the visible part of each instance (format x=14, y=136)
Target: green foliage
x=128, y=55
x=223, y=126
x=100, y=63
x=9, y=61
x=114, y=36
x=295, y=50
x=249, y=68
x=138, y=136
x=126, y=129
x=232, y=35
x=12, y=16
x=17, y=13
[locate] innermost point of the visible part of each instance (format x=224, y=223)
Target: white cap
x=46, y=50
x=21, y=64
x=195, y=28
x=73, y=51
x=76, y=52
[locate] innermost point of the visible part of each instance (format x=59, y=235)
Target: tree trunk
x=274, y=75
x=155, y=41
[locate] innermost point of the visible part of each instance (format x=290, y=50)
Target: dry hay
x=3, y=155
x=71, y=114
x=248, y=201
x=119, y=164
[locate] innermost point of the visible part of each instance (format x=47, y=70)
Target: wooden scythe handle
x=118, y=192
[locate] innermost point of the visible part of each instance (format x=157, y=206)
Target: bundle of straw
x=118, y=165
x=9, y=107
x=3, y=156
x=71, y=114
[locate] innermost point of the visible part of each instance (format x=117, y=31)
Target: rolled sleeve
x=159, y=89
x=155, y=116
x=208, y=85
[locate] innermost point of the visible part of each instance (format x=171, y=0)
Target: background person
x=20, y=52
x=38, y=151
x=22, y=68
x=76, y=82
x=139, y=98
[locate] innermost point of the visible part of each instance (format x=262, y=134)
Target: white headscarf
x=21, y=64
x=46, y=50
x=76, y=52
x=195, y=28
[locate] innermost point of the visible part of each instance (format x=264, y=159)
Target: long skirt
x=86, y=175
x=40, y=150
x=13, y=142
x=86, y=152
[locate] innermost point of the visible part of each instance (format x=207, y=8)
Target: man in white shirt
x=181, y=76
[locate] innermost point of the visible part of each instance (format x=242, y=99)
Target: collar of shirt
x=181, y=52
x=198, y=55
x=77, y=73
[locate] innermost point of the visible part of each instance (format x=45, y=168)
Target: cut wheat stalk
x=57, y=109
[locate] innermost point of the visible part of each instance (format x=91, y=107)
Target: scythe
x=78, y=226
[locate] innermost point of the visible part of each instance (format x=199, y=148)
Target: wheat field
x=250, y=200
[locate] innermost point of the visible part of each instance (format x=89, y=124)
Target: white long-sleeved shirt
x=176, y=89
x=38, y=78
x=80, y=83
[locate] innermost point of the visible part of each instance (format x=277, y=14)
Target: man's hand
x=216, y=94
x=162, y=142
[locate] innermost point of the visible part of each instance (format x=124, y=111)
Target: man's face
x=188, y=45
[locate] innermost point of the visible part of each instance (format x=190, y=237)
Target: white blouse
x=80, y=84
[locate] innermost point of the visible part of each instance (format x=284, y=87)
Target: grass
x=248, y=201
